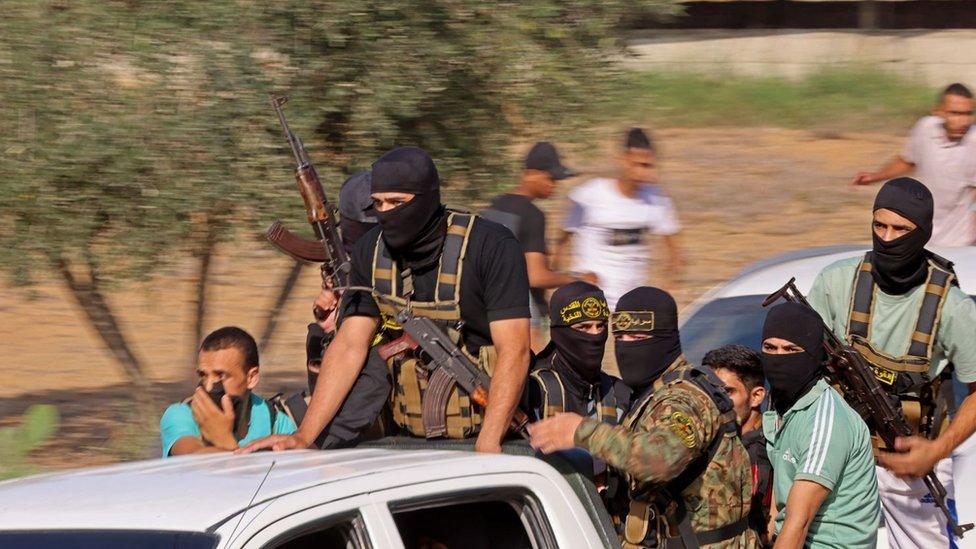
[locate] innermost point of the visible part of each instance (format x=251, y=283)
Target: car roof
x=194, y=493
x=770, y=274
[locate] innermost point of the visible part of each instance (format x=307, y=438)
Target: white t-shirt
x=610, y=231
x=948, y=169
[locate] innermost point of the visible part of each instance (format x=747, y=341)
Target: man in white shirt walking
x=610, y=219
x=942, y=151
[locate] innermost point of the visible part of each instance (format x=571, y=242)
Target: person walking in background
x=514, y=209
x=942, y=151
x=610, y=219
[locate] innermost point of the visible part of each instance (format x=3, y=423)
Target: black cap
x=544, y=157
x=355, y=200
x=577, y=302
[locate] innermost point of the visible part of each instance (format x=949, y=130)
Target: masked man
x=690, y=477
x=823, y=479
x=567, y=375
x=465, y=273
x=223, y=412
x=900, y=308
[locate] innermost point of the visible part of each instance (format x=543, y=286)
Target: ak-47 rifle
x=446, y=367
x=880, y=409
x=328, y=249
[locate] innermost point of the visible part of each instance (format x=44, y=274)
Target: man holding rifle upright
x=900, y=308
x=464, y=273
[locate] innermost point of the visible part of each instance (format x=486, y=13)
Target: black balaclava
x=414, y=232
x=651, y=311
x=791, y=376
x=355, y=209
x=315, y=343
x=901, y=264
x=578, y=354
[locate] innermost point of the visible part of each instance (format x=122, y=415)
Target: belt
x=711, y=536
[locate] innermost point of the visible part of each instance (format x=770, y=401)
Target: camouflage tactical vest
x=905, y=376
x=660, y=518
x=409, y=378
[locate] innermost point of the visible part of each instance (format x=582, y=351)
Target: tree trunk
x=285, y=288
x=204, y=254
x=88, y=295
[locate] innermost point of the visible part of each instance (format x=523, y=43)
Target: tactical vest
x=296, y=406
x=652, y=516
x=409, y=378
x=906, y=376
x=554, y=395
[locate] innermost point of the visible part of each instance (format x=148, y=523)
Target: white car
x=732, y=313
x=350, y=499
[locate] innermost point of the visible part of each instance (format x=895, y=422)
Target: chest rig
x=905, y=376
x=554, y=400
x=410, y=382
x=658, y=516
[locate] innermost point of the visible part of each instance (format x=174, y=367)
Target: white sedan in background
x=732, y=313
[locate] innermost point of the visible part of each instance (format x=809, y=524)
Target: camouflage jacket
x=670, y=430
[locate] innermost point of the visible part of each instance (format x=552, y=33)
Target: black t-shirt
x=494, y=283
x=529, y=221
x=762, y=474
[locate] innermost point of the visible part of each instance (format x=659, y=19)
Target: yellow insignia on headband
x=594, y=308
x=642, y=321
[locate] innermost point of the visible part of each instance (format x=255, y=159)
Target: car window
x=730, y=320
x=473, y=521
x=345, y=532
x=106, y=539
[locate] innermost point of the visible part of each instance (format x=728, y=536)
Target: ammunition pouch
x=430, y=404
x=907, y=376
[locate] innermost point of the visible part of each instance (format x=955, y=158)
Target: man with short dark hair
x=514, y=209
x=740, y=368
x=610, y=218
x=942, y=151
x=227, y=366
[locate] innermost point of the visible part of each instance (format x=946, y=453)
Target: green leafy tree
x=140, y=132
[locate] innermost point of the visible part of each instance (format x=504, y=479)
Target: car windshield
x=723, y=321
x=107, y=539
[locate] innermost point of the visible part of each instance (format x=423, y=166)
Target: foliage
x=38, y=424
x=851, y=98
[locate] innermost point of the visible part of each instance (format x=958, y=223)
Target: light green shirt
x=894, y=317
x=821, y=439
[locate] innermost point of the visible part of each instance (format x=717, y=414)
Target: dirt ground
x=743, y=194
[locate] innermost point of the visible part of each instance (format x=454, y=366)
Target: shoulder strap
x=459, y=226
x=937, y=286
x=862, y=299
x=609, y=405
x=553, y=391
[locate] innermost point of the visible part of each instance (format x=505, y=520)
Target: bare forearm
x=340, y=368
x=545, y=279
x=506, y=391
x=793, y=534
x=961, y=427
x=894, y=168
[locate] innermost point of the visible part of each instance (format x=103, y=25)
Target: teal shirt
x=823, y=440
x=894, y=317
x=177, y=422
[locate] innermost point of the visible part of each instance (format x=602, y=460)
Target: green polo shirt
x=894, y=317
x=823, y=440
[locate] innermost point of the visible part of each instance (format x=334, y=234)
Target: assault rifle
x=447, y=366
x=881, y=410
x=328, y=249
